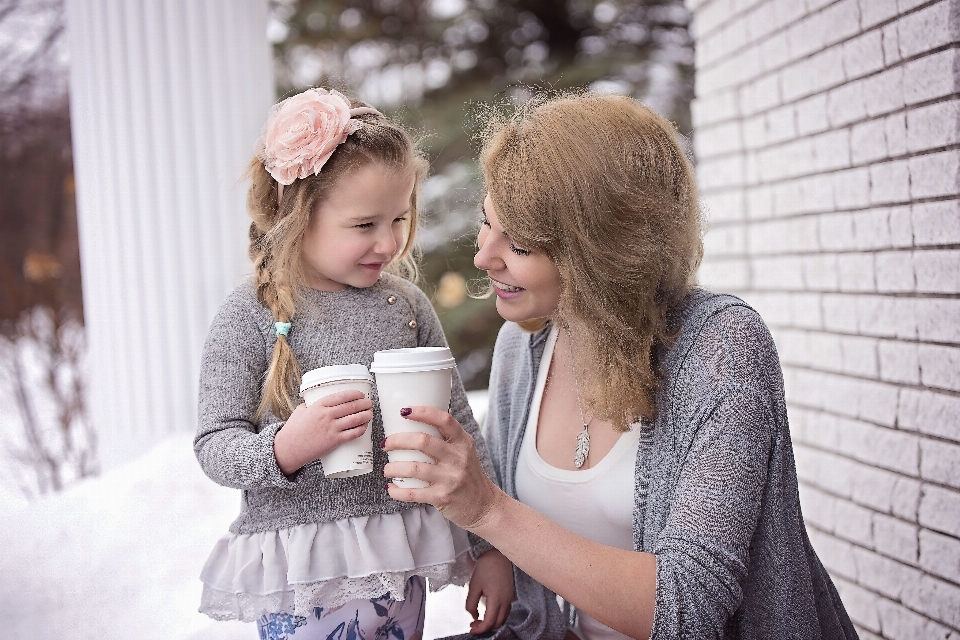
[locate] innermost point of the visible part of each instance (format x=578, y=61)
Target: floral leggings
x=375, y=619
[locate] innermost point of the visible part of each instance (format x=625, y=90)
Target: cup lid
x=334, y=373
x=415, y=359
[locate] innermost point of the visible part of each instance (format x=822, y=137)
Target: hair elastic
x=283, y=328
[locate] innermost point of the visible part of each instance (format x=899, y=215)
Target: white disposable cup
x=355, y=457
x=415, y=377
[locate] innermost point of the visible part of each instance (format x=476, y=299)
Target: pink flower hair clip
x=303, y=131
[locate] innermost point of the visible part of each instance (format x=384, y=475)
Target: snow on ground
x=118, y=557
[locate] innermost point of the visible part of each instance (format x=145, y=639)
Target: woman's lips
x=506, y=291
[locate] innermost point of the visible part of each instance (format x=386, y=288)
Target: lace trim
x=300, y=601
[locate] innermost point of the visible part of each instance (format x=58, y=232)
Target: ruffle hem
x=329, y=564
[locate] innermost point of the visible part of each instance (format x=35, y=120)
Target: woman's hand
x=313, y=431
x=459, y=488
x=492, y=580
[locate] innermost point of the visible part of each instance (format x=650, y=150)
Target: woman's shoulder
x=513, y=340
x=724, y=338
x=515, y=348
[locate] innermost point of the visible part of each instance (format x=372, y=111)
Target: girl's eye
x=365, y=225
x=483, y=219
x=517, y=250
x=400, y=219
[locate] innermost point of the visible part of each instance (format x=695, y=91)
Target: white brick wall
x=827, y=137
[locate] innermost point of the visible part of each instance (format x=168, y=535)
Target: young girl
x=334, y=203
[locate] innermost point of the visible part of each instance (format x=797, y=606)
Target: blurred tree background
x=426, y=61
x=45, y=432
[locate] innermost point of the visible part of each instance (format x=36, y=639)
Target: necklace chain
x=583, y=438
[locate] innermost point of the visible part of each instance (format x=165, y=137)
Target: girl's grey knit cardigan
x=335, y=328
x=715, y=492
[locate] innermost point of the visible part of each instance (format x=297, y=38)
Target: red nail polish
x=406, y=411
x=383, y=442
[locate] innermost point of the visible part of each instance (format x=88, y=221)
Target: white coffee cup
x=420, y=376
x=353, y=458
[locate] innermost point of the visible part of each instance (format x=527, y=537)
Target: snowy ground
x=118, y=557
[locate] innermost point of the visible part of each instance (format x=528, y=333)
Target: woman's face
x=527, y=283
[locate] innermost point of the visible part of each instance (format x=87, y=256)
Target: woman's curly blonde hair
x=277, y=229
x=601, y=185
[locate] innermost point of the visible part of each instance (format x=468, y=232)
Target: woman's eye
x=517, y=250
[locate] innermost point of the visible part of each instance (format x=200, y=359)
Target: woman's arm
x=614, y=586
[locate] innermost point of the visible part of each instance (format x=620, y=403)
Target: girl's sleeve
x=430, y=334
x=703, y=551
x=230, y=448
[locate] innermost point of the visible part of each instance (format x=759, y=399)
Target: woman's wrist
x=491, y=516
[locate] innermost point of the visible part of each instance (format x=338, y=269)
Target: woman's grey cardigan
x=716, y=488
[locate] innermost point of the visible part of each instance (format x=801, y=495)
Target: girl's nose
x=387, y=243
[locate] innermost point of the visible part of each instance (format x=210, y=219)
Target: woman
x=637, y=423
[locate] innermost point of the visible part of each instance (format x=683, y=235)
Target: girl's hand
x=492, y=580
x=459, y=488
x=313, y=431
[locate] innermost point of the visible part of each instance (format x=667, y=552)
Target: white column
x=167, y=98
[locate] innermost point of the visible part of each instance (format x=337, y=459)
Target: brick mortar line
x=904, y=156
x=917, y=477
x=829, y=252
x=897, y=294
x=880, y=26
x=849, y=126
x=745, y=187
x=910, y=295
x=750, y=290
x=860, y=335
x=861, y=378
x=892, y=294
x=746, y=222
x=904, y=109
x=869, y=336
x=920, y=434
x=727, y=222
x=786, y=216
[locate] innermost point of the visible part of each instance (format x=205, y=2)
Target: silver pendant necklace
x=583, y=438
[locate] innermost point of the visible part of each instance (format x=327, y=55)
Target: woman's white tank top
x=596, y=503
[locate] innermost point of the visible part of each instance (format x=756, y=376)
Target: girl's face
x=357, y=229
x=527, y=283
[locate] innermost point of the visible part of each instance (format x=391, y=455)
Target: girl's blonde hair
x=601, y=185
x=277, y=228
